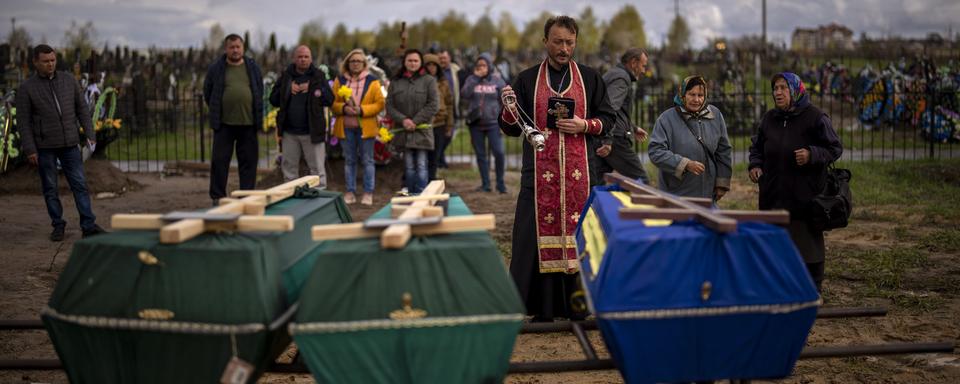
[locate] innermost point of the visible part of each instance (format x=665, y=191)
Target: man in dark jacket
x=617, y=145
x=233, y=90
x=301, y=93
x=50, y=106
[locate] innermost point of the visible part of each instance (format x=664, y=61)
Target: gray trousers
x=624, y=159
x=297, y=146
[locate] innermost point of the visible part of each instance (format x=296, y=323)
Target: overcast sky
x=181, y=23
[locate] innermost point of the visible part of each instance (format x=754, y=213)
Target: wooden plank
x=181, y=231
x=655, y=201
x=342, y=232
x=430, y=211
x=708, y=218
x=411, y=199
x=265, y=223
x=701, y=201
x=256, y=193
x=396, y=236
x=232, y=207
x=484, y=222
x=780, y=217
x=675, y=214
x=136, y=221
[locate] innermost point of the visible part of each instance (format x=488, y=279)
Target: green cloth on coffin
x=344, y=331
x=214, y=285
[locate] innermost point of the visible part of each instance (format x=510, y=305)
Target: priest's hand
x=509, y=99
x=572, y=126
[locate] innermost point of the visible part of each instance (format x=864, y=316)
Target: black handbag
x=831, y=209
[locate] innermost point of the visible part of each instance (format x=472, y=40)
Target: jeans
x=435, y=158
x=479, y=138
x=72, y=165
x=353, y=145
x=415, y=176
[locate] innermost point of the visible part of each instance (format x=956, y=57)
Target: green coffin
x=225, y=293
x=473, y=311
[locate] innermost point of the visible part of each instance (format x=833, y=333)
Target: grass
x=884, y=273
x=183, y=144
x=927, y=187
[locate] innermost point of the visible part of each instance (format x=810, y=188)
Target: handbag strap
x=700, y=139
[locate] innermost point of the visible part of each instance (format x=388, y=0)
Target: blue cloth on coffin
x=646, y=295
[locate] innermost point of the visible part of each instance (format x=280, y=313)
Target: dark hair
x=562, y=21
x=633, y=53
x=231, y=37
x=695, y=81
x=403, y=61
x=41, y=49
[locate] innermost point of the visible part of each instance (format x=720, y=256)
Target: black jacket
x=784, y=184
x=319, y=94
x=213, y=86
x=46, y=122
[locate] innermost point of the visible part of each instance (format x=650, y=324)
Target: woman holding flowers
x=358, y=101
x=412, y=101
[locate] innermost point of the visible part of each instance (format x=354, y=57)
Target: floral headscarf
x=798, y=93
x=685, y=86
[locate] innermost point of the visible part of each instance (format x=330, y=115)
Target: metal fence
x=163, y=125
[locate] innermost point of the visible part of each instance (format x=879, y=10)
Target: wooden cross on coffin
x=669, y=207
x=242, y=213
x=420, y=217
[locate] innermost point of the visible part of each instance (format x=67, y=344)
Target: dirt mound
x=101, y=176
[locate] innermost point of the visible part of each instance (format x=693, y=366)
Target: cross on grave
x=420, y=218
x=241, y=214
x=559, y=111
x=669, y=207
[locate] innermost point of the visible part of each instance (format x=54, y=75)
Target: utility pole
x=764, y=35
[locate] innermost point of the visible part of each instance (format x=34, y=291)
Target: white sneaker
x=349, y=198
x=367, y=199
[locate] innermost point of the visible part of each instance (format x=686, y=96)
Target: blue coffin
x=678, y=302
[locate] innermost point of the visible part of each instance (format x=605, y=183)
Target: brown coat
x=444, y=117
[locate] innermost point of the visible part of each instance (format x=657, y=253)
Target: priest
x=555, y=182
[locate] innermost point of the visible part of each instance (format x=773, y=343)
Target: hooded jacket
x=480, y=97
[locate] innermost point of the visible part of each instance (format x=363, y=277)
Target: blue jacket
x=213, y=86
x=480, y=98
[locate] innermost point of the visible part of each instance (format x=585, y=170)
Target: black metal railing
x=170, y=124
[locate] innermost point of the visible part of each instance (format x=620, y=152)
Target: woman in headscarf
x=356, y=126
x=789, y=159
x=689, y=145
x=412, y=101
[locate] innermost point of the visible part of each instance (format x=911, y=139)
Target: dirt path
x=925, y=308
